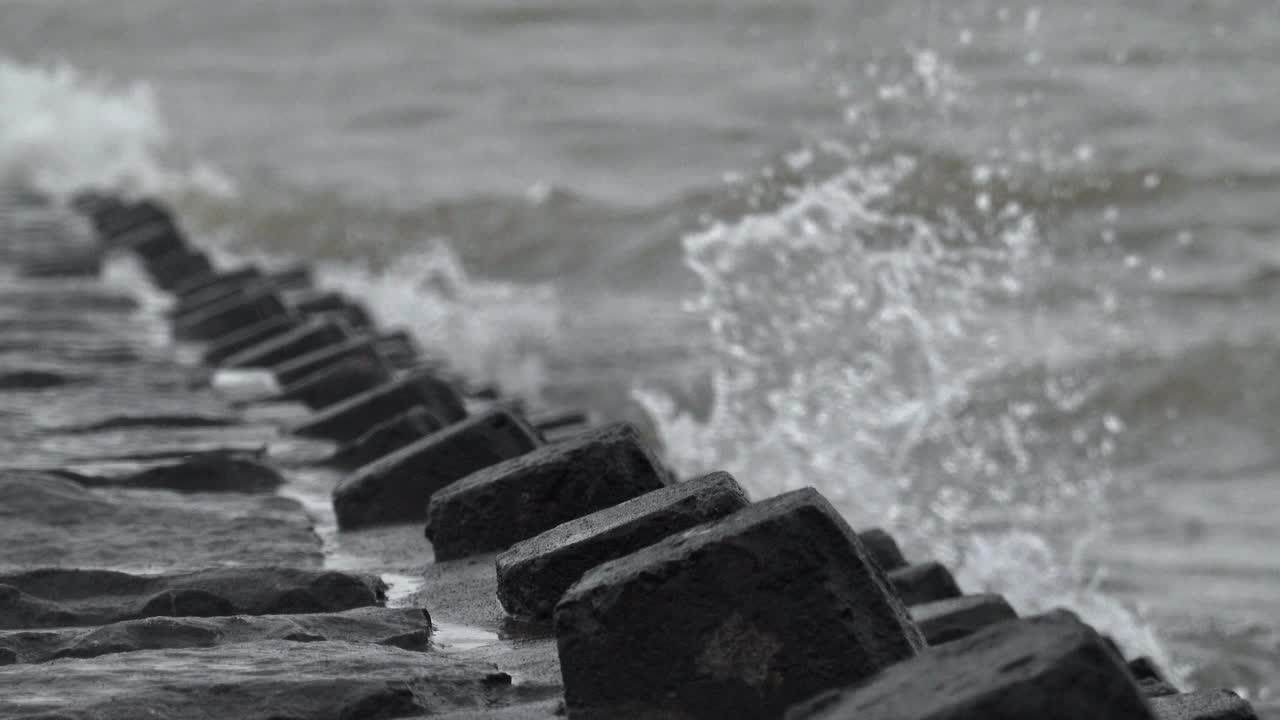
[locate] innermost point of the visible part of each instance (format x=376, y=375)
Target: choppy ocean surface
x=1003, y=278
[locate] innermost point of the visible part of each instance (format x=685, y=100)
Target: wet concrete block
x=924, y=583
x=69, y=598
x=739, y=618
x=945, y=621
x=1145, y=667
x=316, y=301
x=1203, y=705
x=883, y=548
x=225, y=317
x=284, y=280
x=1153, y=688
x=399, y=349
x=398, y=487
x=385, y=438
x=501, y=505
x=237, y=277
x=534, y=574
x=315, y=334
x=343, y=379
x=244, y=338
x=355, y=416
x=295, y=369
x=1049, y=667
x=118, y=218
x=177, y=267
x=405, y=628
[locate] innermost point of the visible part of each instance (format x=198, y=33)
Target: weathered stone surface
x=385, y=438
x=211, y=472
x=247, y=337
x=398, y=487
x=1145, y=667
x=405, y=628
x=364, y=346
x=150, y=238
x=57, y=597
x=354, y=417
x=534, y=574
x=494, y=508
x=344, y=379
x=313, y=335
x=289, y=278
x=740, y=618
x=236, y=312
x=398, y=349
x=46, y=521
x=1049, y=667
x=883, y=548
x=326, y=302
x=944, y=621
x=266, y=680
x=1203, y=705
x=924, y=583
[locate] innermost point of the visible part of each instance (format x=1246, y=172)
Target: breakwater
x=468, y=556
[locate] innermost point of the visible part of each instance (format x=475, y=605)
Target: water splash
x=61, y=131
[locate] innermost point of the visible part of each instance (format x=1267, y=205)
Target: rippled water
x=1001, y=277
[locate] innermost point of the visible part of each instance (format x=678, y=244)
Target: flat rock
x=205, y=472
x=741, y=618
x=66, y=597
x=265, y=680
x=497, y=507
x=1050, y=667
x=533, y=574
x=315, y=334
x=332, y=384
x=385, y=438
x=355, y=416
x=883, y=548
x=405, y=628
x=924, y=583
x=947, y=620
x=47, y=520
x=398, y=487
x=1203, y=705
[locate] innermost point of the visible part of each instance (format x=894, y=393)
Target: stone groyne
x=367, y=536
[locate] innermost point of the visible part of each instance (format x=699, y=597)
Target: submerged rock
x=46, y=521
x=269, y=679
x=67, y=597
x=495, y=508
x=1050, y=667
x=405, y=628
x=398, y=487
x=207, y=472
x=32, y=379
x=533, y=574
x=739, y=618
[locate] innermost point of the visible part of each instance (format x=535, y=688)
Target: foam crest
x=62, y=130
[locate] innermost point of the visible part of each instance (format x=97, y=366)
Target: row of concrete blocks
x=668, y=600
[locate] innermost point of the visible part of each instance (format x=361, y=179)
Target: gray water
x=1002, y=278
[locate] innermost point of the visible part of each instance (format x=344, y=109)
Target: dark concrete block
x=385, y=438
x=244, y=338
x=287, y=279
x=924, y=583
x=120, y=218
x=1153, y=688
x=398, y=349
x=534, y=574
x=291, y=371
x=738, y=618
x=174, y=268
x=315, y=334
x=225, y=317
x=354, y=417
x=1050, y=667
x=331, y=385
x=398, y=487
x=240, y=276
x=945, y=621
x=319, y=301
x=499, y=506
x=1145, y=667
x=1203, y=705
x=883, y=548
